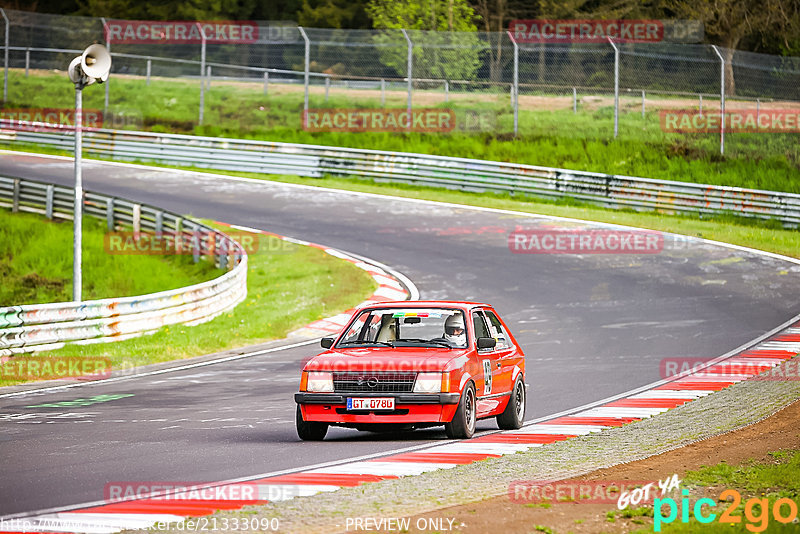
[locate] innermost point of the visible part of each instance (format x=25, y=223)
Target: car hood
x=386, y=359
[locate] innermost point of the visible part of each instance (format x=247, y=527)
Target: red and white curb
x=665, y=395
x=389, y=288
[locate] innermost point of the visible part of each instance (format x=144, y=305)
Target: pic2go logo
x=756, y=511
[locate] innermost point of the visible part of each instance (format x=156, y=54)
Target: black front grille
x=384, y=382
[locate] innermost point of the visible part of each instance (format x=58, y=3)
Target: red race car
x=413, y=364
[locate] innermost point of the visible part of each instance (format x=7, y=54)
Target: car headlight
x=320, y=382
x=428, y=383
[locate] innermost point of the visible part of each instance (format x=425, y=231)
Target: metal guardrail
x=37, y=327
x=608, y=190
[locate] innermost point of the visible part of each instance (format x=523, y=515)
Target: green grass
x=558, y=138
x=778, y=477
x=287, y=287
x=36, y=263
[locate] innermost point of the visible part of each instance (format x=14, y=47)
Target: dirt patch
x=500, y=514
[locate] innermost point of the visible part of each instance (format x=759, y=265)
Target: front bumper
x=400, y=398
x=409, y=408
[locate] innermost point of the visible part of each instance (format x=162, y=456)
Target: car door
x=492, y=387
x=504, y=350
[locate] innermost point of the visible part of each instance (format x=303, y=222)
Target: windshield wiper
x=434, y=341
x=367, y=342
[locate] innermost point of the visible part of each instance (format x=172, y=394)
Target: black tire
x=310, y=430
x=514, y=414
x=463, y=424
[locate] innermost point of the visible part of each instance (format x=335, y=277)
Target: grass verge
x=31, y=276
x=550, y=134
x=287, y=287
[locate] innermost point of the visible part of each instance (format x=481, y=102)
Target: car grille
x=385, y=382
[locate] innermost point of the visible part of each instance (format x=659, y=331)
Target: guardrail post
x=721, y=100
x=266, y=82
x=195, y=245
x=48, y=206
x=307, y=62
x=15, y=197
x=178, y=235
x=159, y=222
x=27, y=60
x=409, y=72
x=5, y=57
x=149, y=67
x=515, y=85
x=136, y=215
x=616, y=86
x=223, y=254
x=110, y=214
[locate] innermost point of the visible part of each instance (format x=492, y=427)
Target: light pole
x=91, y=66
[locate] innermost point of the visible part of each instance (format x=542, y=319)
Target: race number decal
x=487, y=377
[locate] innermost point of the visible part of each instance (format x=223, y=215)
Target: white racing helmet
x=454, y=330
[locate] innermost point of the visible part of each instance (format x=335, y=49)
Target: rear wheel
x=309, y=430
x=463, y=424
x=514, y=414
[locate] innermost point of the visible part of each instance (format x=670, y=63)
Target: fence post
x=758, y=109
x=149, y=67
x=409, y=72
x=383, y=92
x=574, y=100
x=5, y=57
x=108, y=48
x=515, y=86
x=327, y=87
x=642, y=103
x=208, y=78
x=446, y=91
x=202, y=72
x=701, y=104
x=266, y=82
x=27, y=60
x=721, y=100
x=616, y=87
x=307, y=66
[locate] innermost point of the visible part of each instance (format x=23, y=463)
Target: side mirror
x=486, y=342
x=326, y=342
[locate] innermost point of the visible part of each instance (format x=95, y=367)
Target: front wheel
x=309, y=430
x=514, y=414
x=463, y=424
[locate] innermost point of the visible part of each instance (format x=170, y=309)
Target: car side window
x=479, y=325
x=498, y=332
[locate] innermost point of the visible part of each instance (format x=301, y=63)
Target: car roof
x=465, y=305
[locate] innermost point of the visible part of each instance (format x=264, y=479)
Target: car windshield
x=403, y=327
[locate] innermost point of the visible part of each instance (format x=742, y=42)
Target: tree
x=446, y=45
x=168, y=9
x=333, y=14
x=728, y=22
x=495, y=16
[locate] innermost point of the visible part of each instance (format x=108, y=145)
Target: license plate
x=373, y=403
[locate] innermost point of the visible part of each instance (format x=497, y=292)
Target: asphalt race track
x=591, y=325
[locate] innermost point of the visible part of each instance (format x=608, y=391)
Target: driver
x=454, y=330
